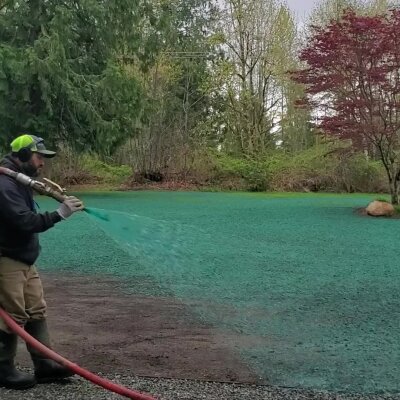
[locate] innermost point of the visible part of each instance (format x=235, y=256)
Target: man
x=21, y=292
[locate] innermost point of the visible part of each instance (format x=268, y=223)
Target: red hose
x=106, y=384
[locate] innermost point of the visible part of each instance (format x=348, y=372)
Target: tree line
x=185, y=90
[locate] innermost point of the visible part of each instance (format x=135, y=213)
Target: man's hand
x=70, y=205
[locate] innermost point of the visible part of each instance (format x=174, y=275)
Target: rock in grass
x=380, y=209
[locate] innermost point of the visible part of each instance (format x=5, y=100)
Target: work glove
x=70, y=205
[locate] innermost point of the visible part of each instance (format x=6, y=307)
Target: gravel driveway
x=173, y=389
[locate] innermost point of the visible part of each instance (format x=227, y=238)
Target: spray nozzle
x=55, y=186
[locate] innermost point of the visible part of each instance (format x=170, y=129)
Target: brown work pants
x=21, y=292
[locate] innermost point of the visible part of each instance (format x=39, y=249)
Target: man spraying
x=21, y=292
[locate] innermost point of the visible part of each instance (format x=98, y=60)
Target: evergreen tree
x=64, y=74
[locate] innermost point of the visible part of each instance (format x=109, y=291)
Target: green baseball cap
x=34, y=143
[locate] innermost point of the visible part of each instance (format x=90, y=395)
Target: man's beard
x=29, y=169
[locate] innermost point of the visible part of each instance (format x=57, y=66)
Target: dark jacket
x=19, y=221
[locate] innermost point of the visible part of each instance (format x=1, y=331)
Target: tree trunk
x=394, y=190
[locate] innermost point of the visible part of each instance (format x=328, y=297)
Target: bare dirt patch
x=94, y=324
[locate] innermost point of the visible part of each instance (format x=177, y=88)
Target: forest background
x=181, y=94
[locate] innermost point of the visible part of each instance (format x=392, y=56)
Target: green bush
x=357, y=173
x=71, y=169
x=325, y=167
x=310, y=170
x=382, y=199
x=103, y=172
x=241, y=173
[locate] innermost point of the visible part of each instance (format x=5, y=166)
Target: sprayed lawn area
x=310, y=287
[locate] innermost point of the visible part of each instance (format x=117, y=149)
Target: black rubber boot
x=46, y=370
x=10, y=377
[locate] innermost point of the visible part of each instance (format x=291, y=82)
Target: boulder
x=380, y=209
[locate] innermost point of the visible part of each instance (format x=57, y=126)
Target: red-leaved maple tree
x=352, y=79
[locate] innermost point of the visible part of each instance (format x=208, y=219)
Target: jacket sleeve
x=14, y=210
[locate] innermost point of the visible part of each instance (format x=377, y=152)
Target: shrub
x=326, y=167
x=250, y=174
x=105, y=173
x=72, y=169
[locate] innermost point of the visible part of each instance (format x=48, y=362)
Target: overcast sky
x=302, y=7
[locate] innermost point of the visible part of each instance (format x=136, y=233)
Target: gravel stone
x=174, y=389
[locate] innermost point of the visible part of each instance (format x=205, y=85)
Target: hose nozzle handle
x=39, y=187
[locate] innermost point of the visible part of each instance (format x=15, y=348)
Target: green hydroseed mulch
x=310, y=287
